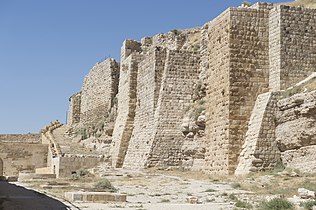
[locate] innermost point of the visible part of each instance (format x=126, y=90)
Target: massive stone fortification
x=199, y=98
x=238, y=71
x=234, y=96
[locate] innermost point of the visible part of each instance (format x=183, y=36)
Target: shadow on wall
x=1, y=167
x=16, y=197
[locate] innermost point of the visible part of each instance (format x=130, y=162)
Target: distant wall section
x=17, y=157
x=74, y=109
x=20, y=138
x=98, y=91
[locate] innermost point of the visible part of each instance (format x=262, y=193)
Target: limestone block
x=94, y=197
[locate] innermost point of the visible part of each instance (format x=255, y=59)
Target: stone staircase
x=69, y=146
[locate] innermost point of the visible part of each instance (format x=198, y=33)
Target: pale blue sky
x=48, y=46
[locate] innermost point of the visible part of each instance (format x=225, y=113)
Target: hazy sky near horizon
x=48, y=46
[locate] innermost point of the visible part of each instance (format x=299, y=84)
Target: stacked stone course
x=260, y=151
x=98, y=91
x=74, y=109
x=226, y=65
x=149, y=82
x=179, y=76
x=20, y=138
x=293, y=42
x=124, y=124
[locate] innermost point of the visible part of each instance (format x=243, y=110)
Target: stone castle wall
x=127, y=100
x=274, y=49
x=148, y=86
x=241, y=54
x=217, y=123
x=65, y=166
x=16, y=157
x=249, y=72
x=293, y=44
x=157, y=138
x=238, y=72
x=74, y=109
x=98, y=91
x=176, y=95
x=20, y=138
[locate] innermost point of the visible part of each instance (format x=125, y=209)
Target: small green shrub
x=82, y=172
x=165, y=201
x=83, y=133
x=210, y=200
x=235, y=185
x=196, y=47
x=243, y=204
x=175, y=32
x=233, y=197
x=74, y=176
x=248, y=4
x=201, y=102
x=276, y=204
x=210, y=190
x=105, y=184
x=197, y=112
x=279, y=167
x=308, y=205
x=309, y=185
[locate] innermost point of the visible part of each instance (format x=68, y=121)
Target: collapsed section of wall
x=292, y=41
x=98, y=91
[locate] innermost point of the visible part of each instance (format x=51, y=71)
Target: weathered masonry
x=222, y=72
x=95, y=99
x=292, y=45
x=20, y=152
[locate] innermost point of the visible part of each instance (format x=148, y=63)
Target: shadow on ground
x=13, y=197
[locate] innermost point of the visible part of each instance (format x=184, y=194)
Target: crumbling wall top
x=130, y=46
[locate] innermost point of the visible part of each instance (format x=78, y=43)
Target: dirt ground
x=181, y=190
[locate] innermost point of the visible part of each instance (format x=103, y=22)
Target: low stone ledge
x=33, y=176
x=95, y=197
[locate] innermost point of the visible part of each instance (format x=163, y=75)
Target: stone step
x=95, y=197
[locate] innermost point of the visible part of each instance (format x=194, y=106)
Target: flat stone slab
x=46, y=186
x=95, y=197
